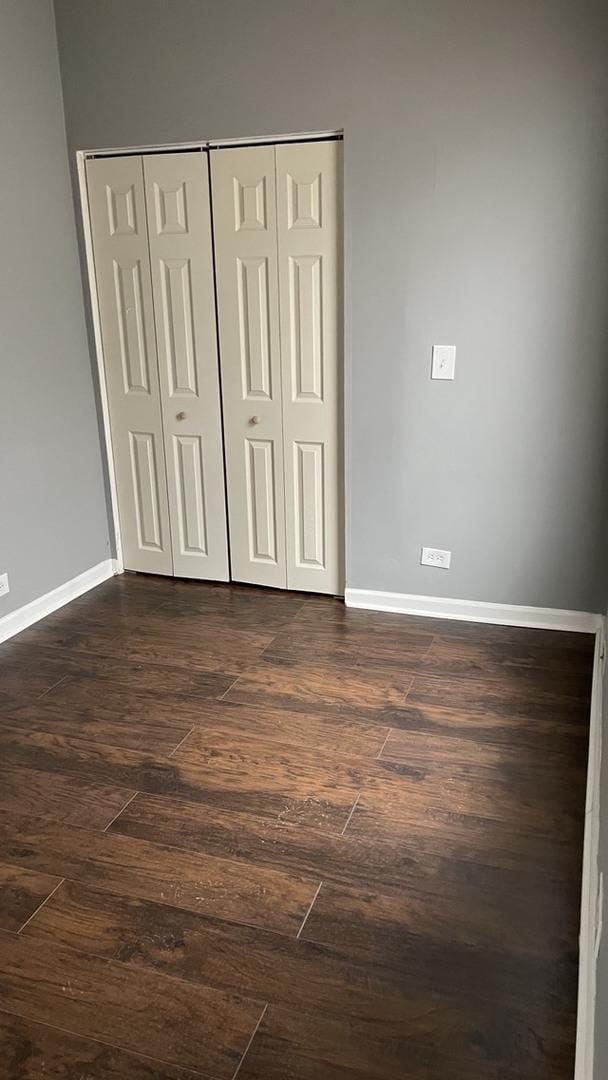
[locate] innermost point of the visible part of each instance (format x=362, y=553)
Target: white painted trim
x=101, y=374
x=81, y=158
x=214, y=144
x=442, y=607
x=25, y=616
x=591, y=915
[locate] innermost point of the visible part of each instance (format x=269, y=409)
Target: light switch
x=444, y=362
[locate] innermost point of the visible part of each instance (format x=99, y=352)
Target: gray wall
x=475, y=191
x=53, y=517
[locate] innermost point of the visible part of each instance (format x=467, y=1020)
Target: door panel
x=246, y=259
x=308, y=482
x=261, y=499
x=255, y=345
x=120, y=244
x=145, y=484
x=309, y=241
x=190, y=491
x=179, y=225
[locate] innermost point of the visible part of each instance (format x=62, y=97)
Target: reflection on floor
x=254, y=832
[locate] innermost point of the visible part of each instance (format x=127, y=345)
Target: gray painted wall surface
x=53, y=517
x=475, y=199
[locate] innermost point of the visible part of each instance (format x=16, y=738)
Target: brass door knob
x=180, y=416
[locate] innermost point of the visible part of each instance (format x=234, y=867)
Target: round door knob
x=254, y=420
x=180, y=416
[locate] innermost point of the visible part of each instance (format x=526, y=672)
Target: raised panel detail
x=249, y=205
x=306, y=327
x=309, y=484
x=189, y=479
x=145, y=489
x=261, y=512
x=178, y=324
x=254, y=327
x=303, y=203
x=122, y=219
x=171, y=209
x=131, y=331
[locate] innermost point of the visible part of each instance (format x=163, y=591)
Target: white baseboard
x=441, y=607
x=591, y=893
x=25, y=616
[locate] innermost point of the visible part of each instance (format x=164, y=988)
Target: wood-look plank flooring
x=255, y=834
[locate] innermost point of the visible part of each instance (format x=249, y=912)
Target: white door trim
x=101, y=374
x=444, y=607
x=203, y=145
x=25, y=616
x=591, y=891
x=216, y=144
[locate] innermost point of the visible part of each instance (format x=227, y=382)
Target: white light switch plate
x=3, y=584
x=436, y=557
x=443, y=365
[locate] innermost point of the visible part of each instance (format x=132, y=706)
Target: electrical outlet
x=3, y=584
x=436, y=557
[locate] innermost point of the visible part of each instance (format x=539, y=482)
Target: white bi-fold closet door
x=151, y=231
x=276, y=224
x=277, y=236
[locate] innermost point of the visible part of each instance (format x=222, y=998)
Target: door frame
x=106, y=442
x=203, y=145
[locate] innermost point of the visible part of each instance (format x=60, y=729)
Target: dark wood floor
x=255, y=833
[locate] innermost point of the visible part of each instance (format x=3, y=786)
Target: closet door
x=244, y=210
x=122, y=270
x=181, y=256
x=309, y=236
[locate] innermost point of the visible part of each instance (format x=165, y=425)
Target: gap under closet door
x=122, y=270
x=244, y=211
x=181, y=257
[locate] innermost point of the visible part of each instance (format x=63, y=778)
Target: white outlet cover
x=443, y=365
x=436, y=557
x=3, y=584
